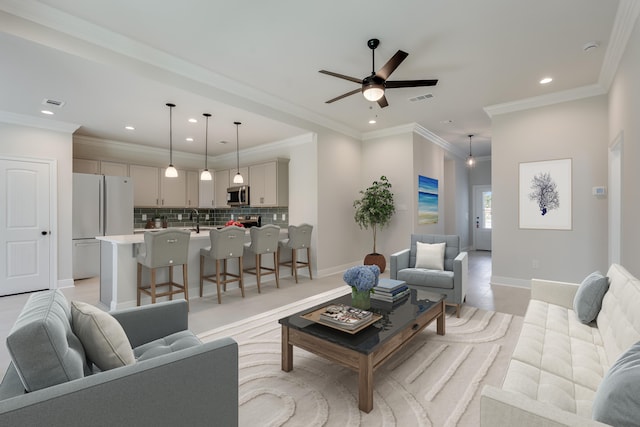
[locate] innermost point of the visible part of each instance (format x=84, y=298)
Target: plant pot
x=376, y=259
x=361, y=299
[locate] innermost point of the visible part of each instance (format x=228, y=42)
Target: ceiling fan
x=373, y=86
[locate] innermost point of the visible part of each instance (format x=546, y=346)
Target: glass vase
x=361, y=299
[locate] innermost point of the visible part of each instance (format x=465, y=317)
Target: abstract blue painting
x=427, y=200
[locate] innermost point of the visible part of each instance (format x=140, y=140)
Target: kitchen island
x=118, y=268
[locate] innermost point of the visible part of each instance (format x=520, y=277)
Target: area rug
x=434, y=381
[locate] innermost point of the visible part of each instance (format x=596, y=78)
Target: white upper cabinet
x=270, y=183
x=146, y=188
x=206, y=193
x=192, y=188
x=86, y=166
x=173, y=191
x=221, y=183
x=114, y=169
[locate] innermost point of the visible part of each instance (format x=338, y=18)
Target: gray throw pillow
x=588, y=300
x=617, y=400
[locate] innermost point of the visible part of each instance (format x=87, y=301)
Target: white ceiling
x=118, y=62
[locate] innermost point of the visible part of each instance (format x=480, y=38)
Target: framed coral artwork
x=545, y=195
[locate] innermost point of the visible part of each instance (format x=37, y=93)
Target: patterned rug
x=434, y=381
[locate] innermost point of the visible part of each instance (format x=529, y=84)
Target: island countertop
x=118, y=266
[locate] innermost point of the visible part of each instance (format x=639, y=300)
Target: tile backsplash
x=217, y=217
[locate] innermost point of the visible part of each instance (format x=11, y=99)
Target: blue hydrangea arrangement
x=362, y=277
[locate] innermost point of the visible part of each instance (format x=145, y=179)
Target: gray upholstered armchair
x=451, y=280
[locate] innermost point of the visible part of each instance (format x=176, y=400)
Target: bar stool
x=299, y=238
x=226, y=243
x=264, y=240
x=166, y=248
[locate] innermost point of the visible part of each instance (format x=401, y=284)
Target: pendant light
x=470, y=160
x=206, y=175
x=238, y=178
x=171, y=172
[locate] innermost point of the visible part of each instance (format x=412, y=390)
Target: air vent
x=421, y=97
x=53, y=103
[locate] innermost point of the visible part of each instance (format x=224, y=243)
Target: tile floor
x=205, y=313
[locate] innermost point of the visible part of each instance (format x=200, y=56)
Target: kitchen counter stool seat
x=166, y=248
x=264, y=240
x=226, y=243
x=299, y=238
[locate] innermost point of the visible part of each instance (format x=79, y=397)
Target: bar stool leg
x=218, y=280
x=294, y=264
x=258, y=268
x=171, y=283
x=153, y=286
x=309, y=262
x=185, y=280
x=225, y=274
x=139, y=283
x=201, y=274
x=241, y=276
x=275, y=268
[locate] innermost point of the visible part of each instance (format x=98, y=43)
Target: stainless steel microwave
x=238, y=196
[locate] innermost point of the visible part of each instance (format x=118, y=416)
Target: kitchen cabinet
x=221, y=183
x=114, y=169
x=270, y=183
x=86, y=166
x=173, y=190
x=206, y=192
x=146, y=189
x=193, y=177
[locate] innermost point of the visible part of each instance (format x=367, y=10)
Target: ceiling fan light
x=238, y=179
x=373, y=92
x=205, y=175
x=171, y=172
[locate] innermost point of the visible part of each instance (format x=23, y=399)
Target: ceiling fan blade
x=341, y=76
x=392, y=64
x=382, y=102
x=410, y=83
x=344, y=95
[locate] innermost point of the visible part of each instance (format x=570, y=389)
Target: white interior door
x=25, y=242
x=482, y=217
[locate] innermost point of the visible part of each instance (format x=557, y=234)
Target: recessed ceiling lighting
x=189, y=139
x=372, y=121
x=129, y=128
x=546, y=80
x=47, y=112
x=193, y=120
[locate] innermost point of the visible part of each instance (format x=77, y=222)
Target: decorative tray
x=314, y=316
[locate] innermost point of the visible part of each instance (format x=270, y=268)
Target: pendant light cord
x=206, y=139
x=237, y=147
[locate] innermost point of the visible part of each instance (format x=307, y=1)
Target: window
x=486, y=209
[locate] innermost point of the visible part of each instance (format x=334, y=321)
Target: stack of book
x=389, y=290
x=345, y=316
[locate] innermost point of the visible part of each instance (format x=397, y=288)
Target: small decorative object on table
x=362, y=279
x=232, y=223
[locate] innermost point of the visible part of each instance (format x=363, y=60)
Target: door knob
x=44, y=233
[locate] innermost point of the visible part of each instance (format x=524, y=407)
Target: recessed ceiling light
x=193, y=120
x=129, y=128
x=546, y=80
x=189, y=139
x=590, y=46
x=47, y=112
x=372, y=121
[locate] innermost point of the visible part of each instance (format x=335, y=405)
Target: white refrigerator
x=102, y=206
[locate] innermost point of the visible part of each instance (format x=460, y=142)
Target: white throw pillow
x=430, y=255
x=102, y=337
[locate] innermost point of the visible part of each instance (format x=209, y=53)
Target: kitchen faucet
x=195, y=211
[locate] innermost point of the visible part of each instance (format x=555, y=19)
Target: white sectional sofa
x=559, y=362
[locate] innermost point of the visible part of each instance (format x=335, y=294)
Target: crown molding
x=626, y=17
x=544, y=100
x=37, y=122
x=418, y=129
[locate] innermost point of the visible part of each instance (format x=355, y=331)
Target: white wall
x=624, y=109
x=428, y=160
x=576, y=130
x=480, y=174
x=457, y=197
x=39, y=143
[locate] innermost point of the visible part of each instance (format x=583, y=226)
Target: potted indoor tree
x=375, y=209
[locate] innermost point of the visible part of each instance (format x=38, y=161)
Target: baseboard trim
x=510, y=281
x=65, y=283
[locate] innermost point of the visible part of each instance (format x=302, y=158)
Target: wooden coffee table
x=366, y=350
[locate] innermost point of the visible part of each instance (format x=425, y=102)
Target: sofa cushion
x=42, y=345
x=430, y=255
x=588, y=299
x=617, y=401
x=169, y=344
x=423, y=277
x=103, y=338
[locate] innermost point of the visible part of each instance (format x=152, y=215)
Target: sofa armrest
x=558, y=293
x=504, y=408
x=461, y=274
x=196, y=386
x=151, y=322
x=399, y=260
